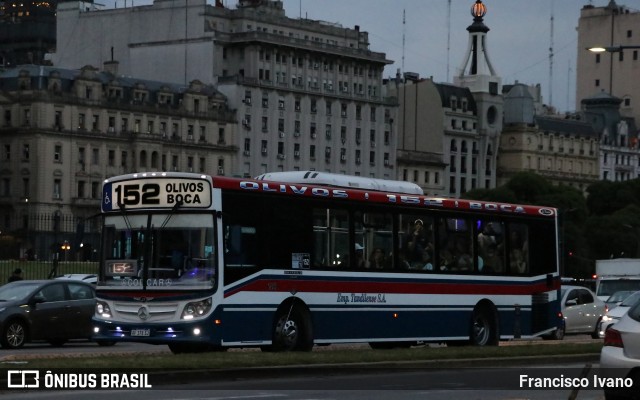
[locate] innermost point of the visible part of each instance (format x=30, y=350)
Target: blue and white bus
x=292, y=260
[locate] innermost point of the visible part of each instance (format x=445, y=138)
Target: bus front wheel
x=292, y=330
x=484, y=326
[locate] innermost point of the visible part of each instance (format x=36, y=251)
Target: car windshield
x=631, y=300
x=159, y=251
x=619, y=296
x=607, y=287
x=18, y=291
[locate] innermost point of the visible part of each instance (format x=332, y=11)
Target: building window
x=57, y=153
x=95, y=190
x=57, y=190
x=80, y=193
x=597, y=58
x=25, y=152
x=95, y=156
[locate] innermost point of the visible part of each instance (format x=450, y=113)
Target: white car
x=581, y=310
x=613, y=315
x=620, y=355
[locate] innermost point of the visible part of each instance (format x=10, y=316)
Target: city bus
x=286, y=261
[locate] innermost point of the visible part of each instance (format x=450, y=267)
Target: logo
x=23, y=379
x=143, y=313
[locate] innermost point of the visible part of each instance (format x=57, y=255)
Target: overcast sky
x=434, y=44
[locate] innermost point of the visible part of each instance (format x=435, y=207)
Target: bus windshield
x=159, y=251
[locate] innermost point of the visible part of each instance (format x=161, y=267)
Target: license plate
x=140, y=332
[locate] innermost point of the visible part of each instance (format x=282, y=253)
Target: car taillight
x=613, y=338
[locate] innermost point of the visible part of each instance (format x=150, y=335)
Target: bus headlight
x=103, y=310
x=196, y=309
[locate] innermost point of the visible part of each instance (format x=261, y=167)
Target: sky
x=436, y=40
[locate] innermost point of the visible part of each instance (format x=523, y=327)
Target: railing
x=42, y=269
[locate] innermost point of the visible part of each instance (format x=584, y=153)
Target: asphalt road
x=330, y=383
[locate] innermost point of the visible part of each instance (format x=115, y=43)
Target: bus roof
x=375, y=196
x=340, y=180
x=172, y=186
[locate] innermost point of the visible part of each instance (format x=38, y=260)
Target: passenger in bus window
x=418, y=240
x=517, y=253
x=427, y=264
x=377, y=259
x=492, y=260
x=446, y=260
x=462, y=255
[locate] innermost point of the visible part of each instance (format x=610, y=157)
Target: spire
x=477, y=60
x=476, y=72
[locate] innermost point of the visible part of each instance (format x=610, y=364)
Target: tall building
x=62, y=132
x=28, y=31
x=614, y=72
x=307, y=93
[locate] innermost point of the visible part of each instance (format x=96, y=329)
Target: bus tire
x=484, y=326
x=558, y=334
x=292, y=330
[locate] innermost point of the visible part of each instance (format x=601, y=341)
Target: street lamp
x=65, y=247
x=610, y=50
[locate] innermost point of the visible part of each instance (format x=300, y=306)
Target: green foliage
x=529, y=187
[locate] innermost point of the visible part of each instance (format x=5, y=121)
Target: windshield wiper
x=173, y=210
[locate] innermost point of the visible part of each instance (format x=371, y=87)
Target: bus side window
x=331, y=238
x=375, y=231
x=518, y=249
x=416, y=242
x=490, y=247
x=240, y=246
x=456, y=251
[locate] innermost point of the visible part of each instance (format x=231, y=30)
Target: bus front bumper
x=160, y=333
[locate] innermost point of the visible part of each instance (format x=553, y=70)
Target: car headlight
x=103, y=310
x=196, y=309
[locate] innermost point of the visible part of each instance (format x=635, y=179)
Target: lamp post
x=26, y=250
x=610, y=50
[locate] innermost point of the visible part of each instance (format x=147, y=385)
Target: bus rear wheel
x=292, y=330
x=484, y=326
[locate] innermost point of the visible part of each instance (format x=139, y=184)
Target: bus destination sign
x=156, y=193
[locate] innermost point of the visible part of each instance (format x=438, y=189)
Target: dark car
x=50, y=310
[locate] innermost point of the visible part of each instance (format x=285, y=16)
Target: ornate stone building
x=308, y=93
x=62, y=132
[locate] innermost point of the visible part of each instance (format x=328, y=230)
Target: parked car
x=620, y=355
x=581, y=310
x=89, y=278
x=51, y=310
x=613, y=315
x=615, y=299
